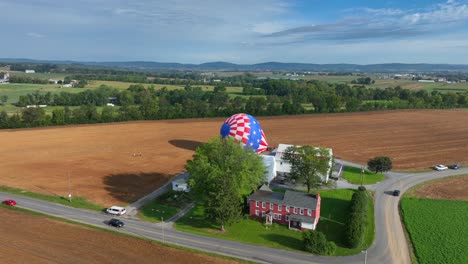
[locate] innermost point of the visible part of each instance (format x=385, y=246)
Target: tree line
x=270, y=97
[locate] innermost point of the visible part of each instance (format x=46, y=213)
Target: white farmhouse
x=283, y=167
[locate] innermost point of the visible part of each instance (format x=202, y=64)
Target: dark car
x=116, y=222
x=396, y=193
x=454, y=166
x=9, y=202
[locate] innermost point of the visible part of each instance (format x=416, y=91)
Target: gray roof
x=289, y=198
x=301, y=218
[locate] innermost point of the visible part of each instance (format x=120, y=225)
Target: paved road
x=390, y=245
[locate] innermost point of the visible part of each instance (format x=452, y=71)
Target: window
x=280, y=207
x=271, y=206
x=275, y=216
x=295, y=210
x=309, y=212
x=287, y=218
x=263, y=204
x=287, y=209
x=256, y=213
x=263, y=214
x=279, y=217
x=257, y=203
x=302, y=211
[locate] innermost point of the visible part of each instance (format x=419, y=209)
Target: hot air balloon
x=245, y=129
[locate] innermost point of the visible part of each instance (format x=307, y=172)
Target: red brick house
x=298, y=210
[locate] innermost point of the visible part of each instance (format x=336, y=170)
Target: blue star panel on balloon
x=245, y=129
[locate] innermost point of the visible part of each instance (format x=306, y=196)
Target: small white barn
x=180, y=185
x=283, y=167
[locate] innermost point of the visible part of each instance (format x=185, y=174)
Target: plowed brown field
x=36, y=239
x=453, y=188
x=120, y=162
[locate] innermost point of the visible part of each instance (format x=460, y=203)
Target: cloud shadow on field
x=185, y=144
x=129, y=187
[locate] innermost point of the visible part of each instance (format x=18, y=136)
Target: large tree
x=308, y=165
x=380, y=164
x=222, y=174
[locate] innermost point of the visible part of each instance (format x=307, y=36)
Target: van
x=116, y=210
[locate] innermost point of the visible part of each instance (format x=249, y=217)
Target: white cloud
x=34, y=35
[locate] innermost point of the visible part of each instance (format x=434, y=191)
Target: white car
x=440, y=167
x=116, y=210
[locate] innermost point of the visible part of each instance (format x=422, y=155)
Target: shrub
x=316, y=242
x=361, y=188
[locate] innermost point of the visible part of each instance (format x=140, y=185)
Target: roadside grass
x=77, y=202
x=353, y=175
x=334, y=209
x=164, y=206
x=437, y=229
x=39, y=214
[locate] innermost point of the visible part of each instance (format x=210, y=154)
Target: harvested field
x=119, y=162
x=50, y=241
x=453, y=188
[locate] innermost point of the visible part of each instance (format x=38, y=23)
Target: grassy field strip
x=353, y=175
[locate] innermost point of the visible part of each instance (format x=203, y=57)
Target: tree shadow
x=129, y=187
x=286, y=241
x=185, y=144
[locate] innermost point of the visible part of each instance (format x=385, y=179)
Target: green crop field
x=124, y=85
x=14, y=90
x=437, y=228
x=42, y=76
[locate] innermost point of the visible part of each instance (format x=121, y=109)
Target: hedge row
x=357, y=222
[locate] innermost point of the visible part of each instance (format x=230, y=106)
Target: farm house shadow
x=129, y=187
x=185, y=144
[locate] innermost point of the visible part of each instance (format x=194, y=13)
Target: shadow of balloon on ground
x=185, y=144
x=129, y=187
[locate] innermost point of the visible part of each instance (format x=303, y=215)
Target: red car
x=9, y=202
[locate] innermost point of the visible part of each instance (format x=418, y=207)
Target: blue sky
x=242, y=31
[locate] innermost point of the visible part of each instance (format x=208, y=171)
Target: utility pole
x=69, y=187
x=362, y=175
x=162, y=226
x=365, y=256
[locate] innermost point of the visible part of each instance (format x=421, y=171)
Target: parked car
x=396, y=192
x=116, y=210
x=116, y=223
x=440, y=167
x=9, y=202
x=454, y=166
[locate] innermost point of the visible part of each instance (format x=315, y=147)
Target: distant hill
x=266, y=66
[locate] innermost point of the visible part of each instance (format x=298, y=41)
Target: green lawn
x=77, y=202
x=437, y=228
x=334, y=210
x=164, y=206
x=353, y=175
